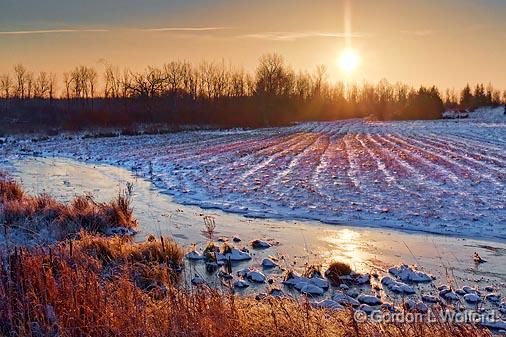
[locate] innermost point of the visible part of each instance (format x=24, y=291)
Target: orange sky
x=448, y=43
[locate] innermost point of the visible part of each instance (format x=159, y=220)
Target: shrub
x=335, y=270
x=9, y=189
x=31, y=215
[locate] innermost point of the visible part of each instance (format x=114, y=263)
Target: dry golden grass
x=100, y=290
x=110, y=286
x=9, y=189
x=32, y=214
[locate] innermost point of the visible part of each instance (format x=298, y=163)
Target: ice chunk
x=259, y=244
x=256, y=276
x=344, y=299
x=241, y=284
x=194, y=255
x=311, y=289
x=328, y=304
x=408, y=274
x=268, y=263
x=369, y=299
x=397, y=287
x=472, y=298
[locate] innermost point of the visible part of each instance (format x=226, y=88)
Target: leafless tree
x=319, y=80
x=51, y=85
x=112, y=83
x=20, y=75
x=149, y=83
x=238, y=83
x=174, y=73
x=41, y=87
x=273, y=78
x=83, y=82
x=67, y=81
x=91, y=79
x=303, y=84
x=125, y=83
x=206, y=74
x=30, y=84
x=5, y=86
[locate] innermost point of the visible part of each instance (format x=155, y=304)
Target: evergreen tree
x=466, y=98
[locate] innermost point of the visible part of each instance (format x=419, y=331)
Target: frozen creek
x=294, y=243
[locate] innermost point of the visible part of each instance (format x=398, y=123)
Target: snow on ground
x=445, y=176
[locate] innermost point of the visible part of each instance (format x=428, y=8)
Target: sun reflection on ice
x=345, y=245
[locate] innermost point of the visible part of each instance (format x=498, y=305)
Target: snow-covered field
x=445, y=176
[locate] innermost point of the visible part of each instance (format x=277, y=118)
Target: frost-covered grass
x=33, y=220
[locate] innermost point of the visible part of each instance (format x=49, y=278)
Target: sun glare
x=349, y=60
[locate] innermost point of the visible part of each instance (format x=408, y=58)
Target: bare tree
x=51, y=85
x=206, y=74
x=319, y=80
x=91, y=78
x=219, y=77
x=83, y=82
x=112, y=81
x=67, y=81
x=174, y=73
x=41, y=87
x=238, y=83
x=273, y=78
x=126, y=83
x=303, y=84
x=150, y=83
x=30, y=84
x=5, y=86
x=20, y=75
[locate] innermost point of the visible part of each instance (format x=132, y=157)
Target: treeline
x=215, y=94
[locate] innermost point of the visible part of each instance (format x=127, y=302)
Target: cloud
x=72, y=30
x=422, y=32
x=52, y=31
x=182, y=29
x=292, y=36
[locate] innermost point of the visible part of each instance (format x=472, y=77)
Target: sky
x=447, y=42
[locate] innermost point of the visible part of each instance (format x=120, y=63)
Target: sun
x=349, y=60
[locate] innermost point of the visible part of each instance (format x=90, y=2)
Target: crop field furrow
x=468, y=151
x=483, y=163
x=281, y=165
x=245, y=155
x=352, y=159
x=203, y=149
x=473, y=147
x=302, y=163
x=416, y=164
x=278, y=154
x=389, y=180
x=334, y=183
x=461, y=162
x=492, y=141
x=324, y=159
x=444, y=165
